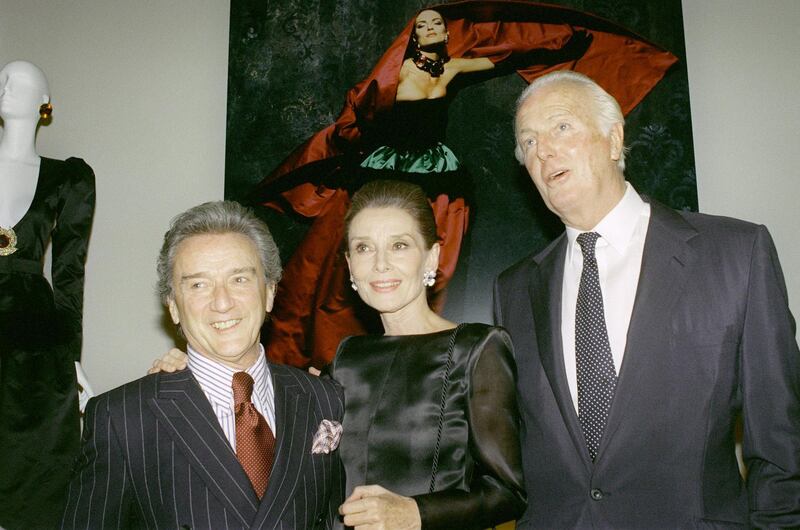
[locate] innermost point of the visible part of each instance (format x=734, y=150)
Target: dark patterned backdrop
x=291, y=62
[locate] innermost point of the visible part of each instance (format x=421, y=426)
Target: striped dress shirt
x=215, y=379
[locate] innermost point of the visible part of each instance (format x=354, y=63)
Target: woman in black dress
x=431, y=425
x=42, y=201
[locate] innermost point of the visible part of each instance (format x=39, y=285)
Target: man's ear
x=173, y=311
x=270, y=296
x=617, y=140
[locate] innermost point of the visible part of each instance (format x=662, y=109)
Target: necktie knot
x=242, y=386
x=588, y=241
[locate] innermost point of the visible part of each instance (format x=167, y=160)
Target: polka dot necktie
x=597, y=377
x=255, y=443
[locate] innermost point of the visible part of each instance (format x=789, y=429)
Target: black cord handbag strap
x=445, y=386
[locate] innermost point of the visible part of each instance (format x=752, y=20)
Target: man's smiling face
x=221, y=297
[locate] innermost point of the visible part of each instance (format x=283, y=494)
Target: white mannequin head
x=23, y=90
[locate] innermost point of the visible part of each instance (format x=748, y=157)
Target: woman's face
x=430, y=28
x=20, y=95
x=387, y=256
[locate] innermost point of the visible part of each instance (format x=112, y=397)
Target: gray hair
x=217, y=217
x=606, y=109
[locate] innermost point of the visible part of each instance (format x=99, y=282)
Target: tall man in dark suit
x=231, y=442
x=641, y=334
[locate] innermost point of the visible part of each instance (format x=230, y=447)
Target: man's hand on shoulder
x=172, y=361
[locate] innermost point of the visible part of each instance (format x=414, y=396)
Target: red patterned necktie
x=255, y=443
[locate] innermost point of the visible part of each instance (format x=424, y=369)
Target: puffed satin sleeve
x=76, y=199
x=496, y=489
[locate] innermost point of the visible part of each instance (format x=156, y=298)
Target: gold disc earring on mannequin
x=45, y=110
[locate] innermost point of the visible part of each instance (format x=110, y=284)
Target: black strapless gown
x=40, y=339
x=393, y=396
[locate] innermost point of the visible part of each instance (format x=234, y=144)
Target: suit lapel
x=184, y=410
x=666, y=259
x=545, y=296
x=295, y=428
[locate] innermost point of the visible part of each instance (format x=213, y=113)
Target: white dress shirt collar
x=616, y=228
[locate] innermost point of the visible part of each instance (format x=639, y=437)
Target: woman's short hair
x=606, y=109
x=394, y=194
x=217, y=217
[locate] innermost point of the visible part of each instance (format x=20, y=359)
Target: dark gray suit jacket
x=154, y=456
x=710, y=337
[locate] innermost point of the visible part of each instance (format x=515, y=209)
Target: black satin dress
x=40, y=340
x=393, y=406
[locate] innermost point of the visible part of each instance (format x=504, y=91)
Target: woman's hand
x=376, y=508
x=173, y=360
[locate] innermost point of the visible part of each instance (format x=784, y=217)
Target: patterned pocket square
x=327, y=437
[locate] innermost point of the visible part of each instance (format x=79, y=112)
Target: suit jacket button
x=596, y=494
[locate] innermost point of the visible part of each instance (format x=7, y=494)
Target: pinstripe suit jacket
x=154, y=456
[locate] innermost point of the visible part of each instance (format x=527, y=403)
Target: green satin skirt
x=435, y=159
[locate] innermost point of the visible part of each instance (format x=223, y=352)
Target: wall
x=139, y=90
x=744, y=81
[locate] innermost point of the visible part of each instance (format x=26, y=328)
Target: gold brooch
x=8, y=241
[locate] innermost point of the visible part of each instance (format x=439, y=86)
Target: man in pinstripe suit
x=160, y=452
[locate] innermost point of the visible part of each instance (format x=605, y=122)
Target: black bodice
x=393, y=394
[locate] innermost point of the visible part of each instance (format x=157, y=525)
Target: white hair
x=606, y=109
